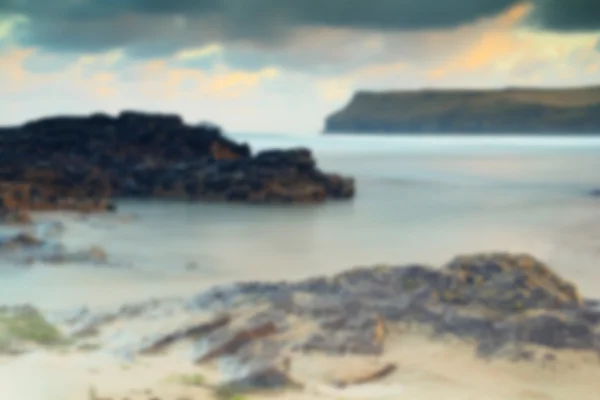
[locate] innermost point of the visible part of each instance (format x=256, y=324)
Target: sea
x=420, y=199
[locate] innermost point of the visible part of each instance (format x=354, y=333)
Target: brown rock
x=227, y=342
x=97, y=254
x=220, y=152
x=510, y=283
x=162, y=341
x=366, y=374
x=16, y=217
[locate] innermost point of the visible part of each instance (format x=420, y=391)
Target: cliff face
x=507, y=111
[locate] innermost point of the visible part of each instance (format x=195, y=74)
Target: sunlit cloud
x=201, y=52
x=203, y=69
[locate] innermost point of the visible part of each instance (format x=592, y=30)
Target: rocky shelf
x=71, y=162
x=506, y=305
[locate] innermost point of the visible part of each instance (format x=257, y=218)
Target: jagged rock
x=493, y=298
x=257, y=365
x=94, y=254
x=89, y=324
x=229, y=296
x=78, y=163
x=15, y=217
x=365, y=375
x=227, y=341
x=26, y=248
x=20, y=241
x=553, y=331
x=260, y=375
x=509, y=283
x=97, y=254
x=355, y=312
x=159, y=342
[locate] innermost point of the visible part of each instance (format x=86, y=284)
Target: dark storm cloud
x=567, y=15
x=160, y=27
x=94, y=25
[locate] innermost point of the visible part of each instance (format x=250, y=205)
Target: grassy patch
x=28, y=326
x=189, y=380
x=228, y=393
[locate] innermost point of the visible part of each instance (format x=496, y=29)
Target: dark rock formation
x=80, y=163
x=497, y=299
x=25, y=249
x=15, y=216
x=507, y=305
x=159, y=342
x=566, y=111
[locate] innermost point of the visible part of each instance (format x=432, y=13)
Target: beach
x=419, y=200
x=427, y=370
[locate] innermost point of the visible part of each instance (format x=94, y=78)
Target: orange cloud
x=11, y=67
x=505, y=49
x=234, y=83
x=488, y=49
x=15, y=78
x=498, y=41
x=155, y=78
x=103, y=84
x=159, y=78
x=514, y=15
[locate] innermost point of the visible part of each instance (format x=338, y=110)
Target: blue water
x=419, y=199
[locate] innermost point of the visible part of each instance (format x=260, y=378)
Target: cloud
x=206, y=58
x=237, y=99
x=154, y=27
x=320, y=37
x=278, y=61
x=107, y=74
x=566, y=15
x=498, y=53
x=330, y=51
x=264, y=100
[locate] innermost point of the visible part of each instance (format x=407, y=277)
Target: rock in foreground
x=507, y=305
x=79, y=163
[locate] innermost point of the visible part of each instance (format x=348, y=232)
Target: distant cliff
x=503, y=111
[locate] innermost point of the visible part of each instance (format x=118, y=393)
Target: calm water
x=420, y=199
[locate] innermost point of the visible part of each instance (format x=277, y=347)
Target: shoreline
x=379, y=333
x=320, y=333
x=139, y=278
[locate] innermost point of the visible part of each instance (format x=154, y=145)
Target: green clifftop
x=512, y=110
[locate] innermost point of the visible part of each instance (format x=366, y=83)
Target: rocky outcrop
x=79, y=163
x=26, y=249
x=507, y=305
x=567, y=111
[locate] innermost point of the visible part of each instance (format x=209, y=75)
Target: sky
x=279, y=66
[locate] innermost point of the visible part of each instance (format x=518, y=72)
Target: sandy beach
x=426, y=370
x=300, y=200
